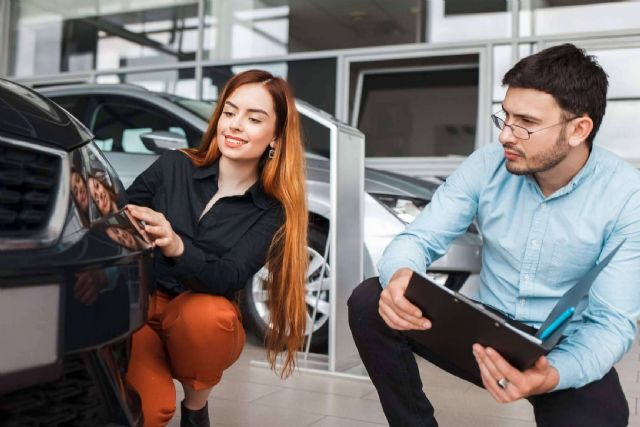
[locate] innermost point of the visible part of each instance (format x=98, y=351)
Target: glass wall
x=429, y=112
x=49, y=37
x=180, y=82
x=254, y=28
x=549, y=17
x=449, y=21
x=192, y=47
x=620, y=124
x=53, y=36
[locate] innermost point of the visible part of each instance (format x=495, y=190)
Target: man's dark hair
x=574, y=79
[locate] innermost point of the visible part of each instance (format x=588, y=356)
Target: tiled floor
x=254, y=396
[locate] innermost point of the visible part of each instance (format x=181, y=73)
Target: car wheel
x=255, y=311
x=254, y=307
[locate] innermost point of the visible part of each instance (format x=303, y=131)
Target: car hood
x=376, y=181
x=25, y=114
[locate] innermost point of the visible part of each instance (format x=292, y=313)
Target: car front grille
x=74, y=400
x=28, y=183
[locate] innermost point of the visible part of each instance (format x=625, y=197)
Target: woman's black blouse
x=225, y=248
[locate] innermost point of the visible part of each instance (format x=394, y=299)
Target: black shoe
x=199, y=418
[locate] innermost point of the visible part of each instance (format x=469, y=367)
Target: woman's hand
x=160, y=230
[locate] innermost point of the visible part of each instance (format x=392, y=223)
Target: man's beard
x=544, y=161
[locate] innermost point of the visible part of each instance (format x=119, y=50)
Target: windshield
x=202, y=109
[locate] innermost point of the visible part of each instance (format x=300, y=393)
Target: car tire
x=253, y=298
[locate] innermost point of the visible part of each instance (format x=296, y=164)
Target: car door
x=118, y=122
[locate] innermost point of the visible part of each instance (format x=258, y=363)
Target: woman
x=218, y=213
x=103, y=195
x=80, y=195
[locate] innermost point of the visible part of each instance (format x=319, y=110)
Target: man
x=549, y=205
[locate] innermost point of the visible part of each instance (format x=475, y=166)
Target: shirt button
x=526, y=277
x=534, y=243
x=543, y=206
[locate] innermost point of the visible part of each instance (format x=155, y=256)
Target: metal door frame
x=484, y=64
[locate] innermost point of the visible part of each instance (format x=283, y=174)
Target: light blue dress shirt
x=535, y=248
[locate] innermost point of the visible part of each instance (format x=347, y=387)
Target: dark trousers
x=388, y=356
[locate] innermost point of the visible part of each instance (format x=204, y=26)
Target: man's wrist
x=553, y=379
x=403, y=272
x=550, y=382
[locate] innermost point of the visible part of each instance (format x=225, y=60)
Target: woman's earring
x=272, y=153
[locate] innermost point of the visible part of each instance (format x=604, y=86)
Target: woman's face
x=100, y=195
x=79, y=190
x=247, y=125
x=122, y=236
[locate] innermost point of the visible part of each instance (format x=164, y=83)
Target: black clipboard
x=458, y=322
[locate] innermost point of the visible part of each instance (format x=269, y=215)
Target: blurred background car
x=74, y=278
x=133, y=125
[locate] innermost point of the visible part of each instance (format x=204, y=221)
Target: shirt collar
x=586, y=171
x=206, y=171
x=257, y=193
x=260, y=198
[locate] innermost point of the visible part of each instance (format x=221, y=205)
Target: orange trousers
x=191, y=337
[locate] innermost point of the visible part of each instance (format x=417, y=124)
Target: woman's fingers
x=159, y=228
x=145, y=214
x=156, y=231
x=163, y=241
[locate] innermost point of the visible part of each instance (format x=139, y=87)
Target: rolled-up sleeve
x=450, y=212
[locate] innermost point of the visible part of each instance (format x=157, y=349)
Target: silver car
x=132, y=125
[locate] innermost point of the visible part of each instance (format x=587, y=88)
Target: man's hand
x=159, y=229
x=541, y=378
x=395, y=309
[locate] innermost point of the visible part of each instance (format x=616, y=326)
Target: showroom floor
x=254, y=396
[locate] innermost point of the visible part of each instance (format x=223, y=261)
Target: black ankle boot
x=199, y=418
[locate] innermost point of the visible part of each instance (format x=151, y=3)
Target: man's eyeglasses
x=520, y=132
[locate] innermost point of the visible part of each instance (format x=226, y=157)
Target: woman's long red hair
x=282, y=177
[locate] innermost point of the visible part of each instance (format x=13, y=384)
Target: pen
x=556, y=323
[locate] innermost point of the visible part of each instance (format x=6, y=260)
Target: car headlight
x=405, y=208
x=96, y=192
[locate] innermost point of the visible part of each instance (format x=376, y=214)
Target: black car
x=74, y=272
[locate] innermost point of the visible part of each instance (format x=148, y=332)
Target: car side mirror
x=160, y=141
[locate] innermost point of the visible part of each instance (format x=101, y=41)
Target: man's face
x=544, y=150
